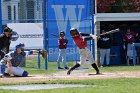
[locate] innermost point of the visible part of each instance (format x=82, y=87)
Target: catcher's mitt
x=43, y=53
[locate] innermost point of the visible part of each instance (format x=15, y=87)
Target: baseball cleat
x=98, y=72
x=60, y=68
x=6, y=75
x=1, y=75
x=69, y=71
x=66, y=68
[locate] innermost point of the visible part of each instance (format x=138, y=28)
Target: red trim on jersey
x=79, y=41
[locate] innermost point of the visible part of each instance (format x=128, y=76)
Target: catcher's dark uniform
x=5, y=40
x=4, y=45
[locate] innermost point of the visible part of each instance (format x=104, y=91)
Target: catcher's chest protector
x=17, y=58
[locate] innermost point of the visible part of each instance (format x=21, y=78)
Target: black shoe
x=66, y=68
x=98, y=72
x=6, y=75
x=69, y=71
x=108, y=65
x=60, y=68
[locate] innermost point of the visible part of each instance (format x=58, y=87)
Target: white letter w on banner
x=70, y=15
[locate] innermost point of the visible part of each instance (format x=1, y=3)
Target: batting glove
x=93, y=36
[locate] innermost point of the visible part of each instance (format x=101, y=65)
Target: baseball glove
x=66, y=40
x=43, y=53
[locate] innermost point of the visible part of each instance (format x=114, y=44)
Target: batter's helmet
x=7, y=29
x=20, y=45
x=73, y=31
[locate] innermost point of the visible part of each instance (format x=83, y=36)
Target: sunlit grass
x=117, y=85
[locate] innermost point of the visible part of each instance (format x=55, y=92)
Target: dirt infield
x=77, y=74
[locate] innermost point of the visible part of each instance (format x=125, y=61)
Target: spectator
x=104, y=44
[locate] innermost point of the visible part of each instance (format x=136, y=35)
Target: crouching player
x=13, y=59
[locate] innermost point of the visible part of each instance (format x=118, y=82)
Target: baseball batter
x=13, y=59
x=85, y=53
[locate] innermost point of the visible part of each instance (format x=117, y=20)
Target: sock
x=75, y=66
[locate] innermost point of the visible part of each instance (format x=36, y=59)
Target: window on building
x=9, y=13
x=14, y=12
x=30, y=11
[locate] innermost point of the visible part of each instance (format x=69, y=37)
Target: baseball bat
x=111, y=32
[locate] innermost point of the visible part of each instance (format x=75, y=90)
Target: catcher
x=85, y=53
x=10, y=63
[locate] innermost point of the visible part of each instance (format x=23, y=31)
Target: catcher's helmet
x=73, y=32
x=7, y=29
x=20, y=46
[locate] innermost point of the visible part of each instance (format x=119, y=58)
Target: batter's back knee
x=25, y=74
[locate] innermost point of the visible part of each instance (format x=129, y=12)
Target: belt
x=82, y=48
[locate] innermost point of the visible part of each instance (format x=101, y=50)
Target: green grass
x=32, y=67
x=118, y=85
x=122, y=85
x=119, y=68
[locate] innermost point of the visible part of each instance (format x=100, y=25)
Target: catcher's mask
x=74, y=32
x=20, y=46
